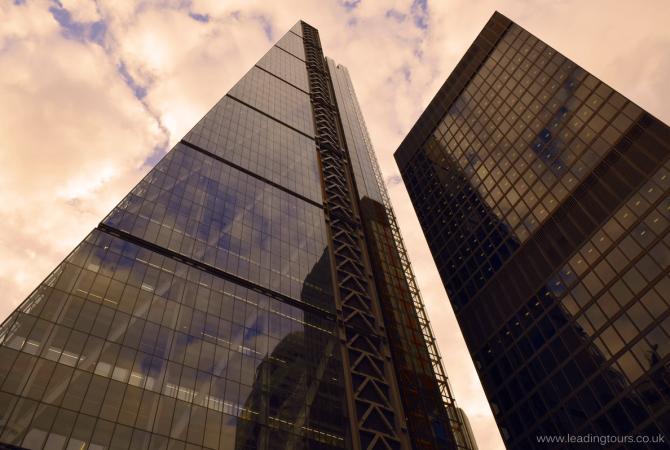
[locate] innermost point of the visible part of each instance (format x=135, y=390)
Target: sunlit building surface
x=543, y=195
x=251, y=292
x=467, y=430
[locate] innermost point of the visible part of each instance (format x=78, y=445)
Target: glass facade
x=427, y=398
x=468, y=429
x=229, y=300
x=543, y=194
x=170, y=353
x=227, y=219
x=245, y=137
x=355, y=134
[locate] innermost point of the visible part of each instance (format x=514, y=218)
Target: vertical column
x=396, y=285
x=377, y=419
x=428, y=420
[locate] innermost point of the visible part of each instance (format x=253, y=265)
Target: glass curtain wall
x=543, y=194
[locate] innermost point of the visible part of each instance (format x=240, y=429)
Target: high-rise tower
x=543, y=195
x=251, y=292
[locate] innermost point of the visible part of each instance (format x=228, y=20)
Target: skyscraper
x=467, y=430
x=543, y=195
x=251, y=292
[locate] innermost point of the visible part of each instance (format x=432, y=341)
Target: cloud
x=393, y=180
x=74, y=139
x=199, y=17
x=267, y=28
x=94, y=93
x=140, y=92
x=82, y=11
x=351, y=5
x=420, y=13
x=399, y=17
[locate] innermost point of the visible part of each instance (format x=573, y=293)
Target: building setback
x=543, y=195
x=251, y=292
x=467, y=430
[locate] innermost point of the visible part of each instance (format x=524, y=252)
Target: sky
x=93, y=93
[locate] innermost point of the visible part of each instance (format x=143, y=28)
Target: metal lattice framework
x=429, y=336
x=367, y=356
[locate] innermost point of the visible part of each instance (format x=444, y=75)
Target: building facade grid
x=544, y=198
x=234, y=298
x=390, y=225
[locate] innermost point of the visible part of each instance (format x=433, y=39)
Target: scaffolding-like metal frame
x=426, y=329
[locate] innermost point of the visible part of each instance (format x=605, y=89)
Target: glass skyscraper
x=251, y=292
x=543, y=195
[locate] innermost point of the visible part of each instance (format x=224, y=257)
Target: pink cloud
x=76, y=137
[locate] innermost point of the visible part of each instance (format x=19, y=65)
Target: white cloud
x=76, y=137
x=82, y=10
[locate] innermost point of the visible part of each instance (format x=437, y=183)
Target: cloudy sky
x=93, y=93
